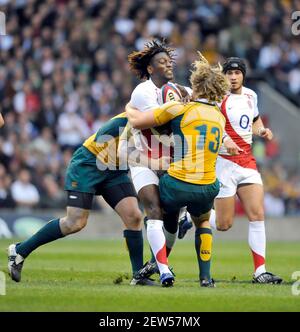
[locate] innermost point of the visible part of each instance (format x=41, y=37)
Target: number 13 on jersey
x=209, y=135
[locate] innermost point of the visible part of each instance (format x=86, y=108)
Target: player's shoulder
x=144, y=88
x=224, y=102
x=249, y=92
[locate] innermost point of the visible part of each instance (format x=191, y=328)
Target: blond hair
x=208, y=81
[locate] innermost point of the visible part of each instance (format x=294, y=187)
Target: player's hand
x=182, y=90
x=266, y=133
x=231, y=147
x=186, y=99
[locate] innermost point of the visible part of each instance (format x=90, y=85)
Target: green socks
x=50, y=232
x=135, y=245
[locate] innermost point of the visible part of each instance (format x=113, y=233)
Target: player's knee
x=257, y=214
x=133, y=219
x=73, y=224
x=79, y=224
x=135, y=216
x=223, y=227
x=154, y=211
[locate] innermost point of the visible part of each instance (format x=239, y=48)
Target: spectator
x=24, y=193
x=274, y=205
x=53, y=197
x=160, y=25
x=6, y=200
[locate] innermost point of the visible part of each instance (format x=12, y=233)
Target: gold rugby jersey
x=198, y=130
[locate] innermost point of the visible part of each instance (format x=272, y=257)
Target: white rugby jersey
x=145, y=97
x=239, y=111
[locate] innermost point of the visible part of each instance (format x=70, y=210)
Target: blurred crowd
x=64, y=72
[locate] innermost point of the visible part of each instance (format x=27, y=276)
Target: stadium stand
x=64, y=72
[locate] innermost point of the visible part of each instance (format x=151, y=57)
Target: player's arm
x=136, y=158
x=1, y=120
x=154, y=117
x=123, y=146
x=185, y=91
x=259, y=129
x=129, y=155
x=127, y=151
x=138, y=119
x=231, y=147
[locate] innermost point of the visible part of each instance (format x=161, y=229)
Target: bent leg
x=130, y=213
x=252, y=199
x=122, y=198
x=131, y=216
x=74, y=221
x=57, y=228
x=224, y=209
x=149, y=196
x=170, y=230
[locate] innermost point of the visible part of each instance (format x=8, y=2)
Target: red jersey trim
x=244, y=159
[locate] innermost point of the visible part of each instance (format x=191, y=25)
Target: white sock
x=212, y=219
x=170, y=239
x=257, y=243
x=157, y=241
x=189, y=218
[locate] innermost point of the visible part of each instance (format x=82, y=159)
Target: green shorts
x=175, y=194
x=82, y=174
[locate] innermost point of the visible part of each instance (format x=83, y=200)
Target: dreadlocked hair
x=208, y=81
x=140, y=60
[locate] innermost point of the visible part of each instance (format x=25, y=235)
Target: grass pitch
x=76, y=275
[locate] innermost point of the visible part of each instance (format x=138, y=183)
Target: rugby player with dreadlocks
x=154, y=65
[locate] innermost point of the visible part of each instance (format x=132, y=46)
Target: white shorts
x=143, y=176
x=230, y=175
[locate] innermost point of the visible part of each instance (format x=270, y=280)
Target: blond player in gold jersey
x=191, y=177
